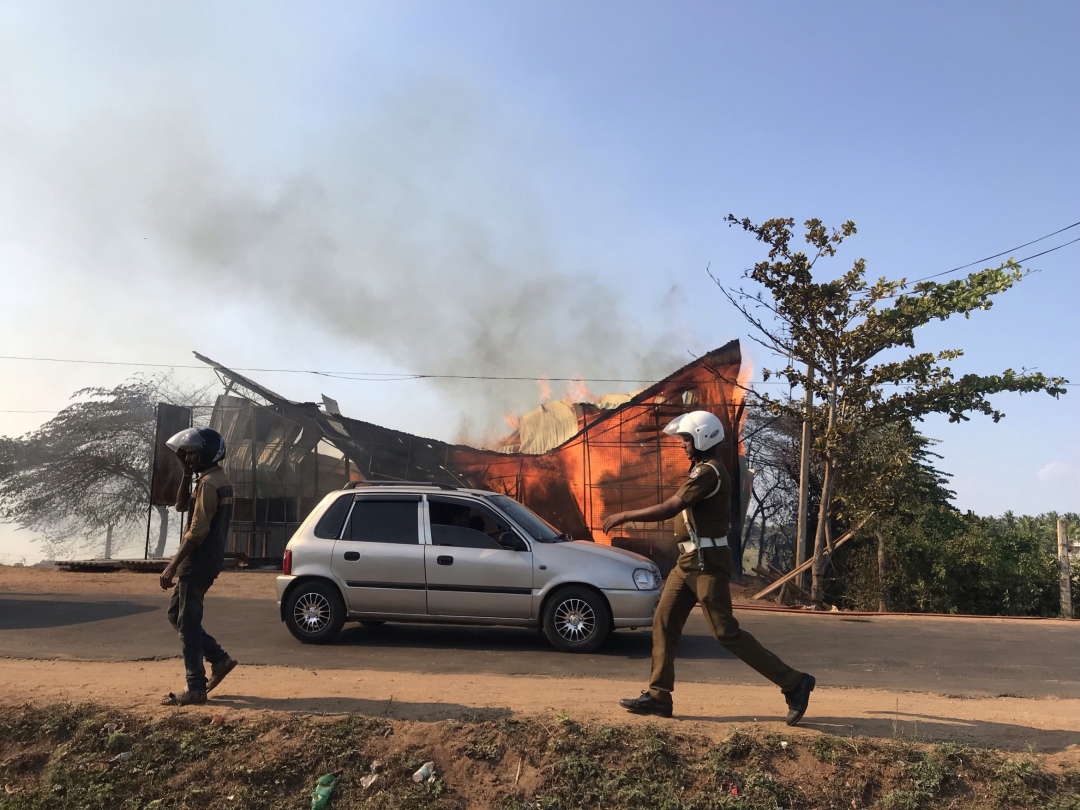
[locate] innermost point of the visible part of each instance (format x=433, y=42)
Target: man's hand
x=187, y=460
x=611, y=521
x=662, y=511
x=167, y=577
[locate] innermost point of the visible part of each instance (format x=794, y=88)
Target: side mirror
x=511, y=542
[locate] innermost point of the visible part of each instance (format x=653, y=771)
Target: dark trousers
x=686, y=586
x=185, y=615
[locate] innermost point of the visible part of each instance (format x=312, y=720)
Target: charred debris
x=570, y=462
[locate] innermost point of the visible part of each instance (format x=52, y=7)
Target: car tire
x=576, y=619
x=314, y=612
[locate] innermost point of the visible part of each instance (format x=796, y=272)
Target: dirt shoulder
x=1015, y=724
x=232, y=584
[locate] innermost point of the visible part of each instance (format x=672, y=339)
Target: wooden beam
x=798, y=591
x=794, y=572
x=768, y=576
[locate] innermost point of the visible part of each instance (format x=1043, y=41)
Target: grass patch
x=58, y=758
x=827, y=748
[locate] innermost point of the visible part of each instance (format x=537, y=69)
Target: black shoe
x=218, y=672
x=799, y=698
x=185, y=698
x=646, y=704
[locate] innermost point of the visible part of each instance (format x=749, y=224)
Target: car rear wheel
x=314, y=612
x=576, y=619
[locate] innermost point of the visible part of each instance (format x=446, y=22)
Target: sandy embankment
x=233, y=584
x=1011, y=723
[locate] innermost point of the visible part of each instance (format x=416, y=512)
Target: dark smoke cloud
x=421, y=231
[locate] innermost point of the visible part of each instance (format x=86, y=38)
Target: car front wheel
x=314, y=612
x=576, y=619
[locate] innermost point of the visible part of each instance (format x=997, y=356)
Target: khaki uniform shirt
x=211, y=517
x=711, y=514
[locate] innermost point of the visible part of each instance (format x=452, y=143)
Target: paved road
x=946, y=656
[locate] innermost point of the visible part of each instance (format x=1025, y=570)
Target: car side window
x=329, y=525
x=384, y=521
x=462, y=525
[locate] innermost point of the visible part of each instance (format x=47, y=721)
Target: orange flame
x=746, y=374
x=578, y=391
x=511, y=420
x=543, y=385
x=615, y=465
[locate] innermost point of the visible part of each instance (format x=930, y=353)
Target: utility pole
x=1063, y=569
x=804, y=475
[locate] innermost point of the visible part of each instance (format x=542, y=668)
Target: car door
x=469, y=571
x=380, y=557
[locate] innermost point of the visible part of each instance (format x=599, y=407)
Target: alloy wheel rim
x=575, y=620
x=312, y=612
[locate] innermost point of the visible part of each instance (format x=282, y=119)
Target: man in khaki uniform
x=199, y=559
x=702, y=574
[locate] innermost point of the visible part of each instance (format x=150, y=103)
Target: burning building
x=573, y=463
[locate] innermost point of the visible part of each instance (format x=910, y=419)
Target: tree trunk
x=761, y=543
x=883, y=590
x=748, y=531
x=163, y=530
x=108, y=542
x=817, y=592
x=801, y=549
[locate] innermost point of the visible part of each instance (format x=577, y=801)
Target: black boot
x=799, y=698
x=218, y=672
x=646, y=704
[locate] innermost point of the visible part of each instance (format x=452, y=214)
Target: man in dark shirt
x=702, y=574
x=199, y=559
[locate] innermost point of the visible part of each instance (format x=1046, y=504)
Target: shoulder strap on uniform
x=718, y=479
x=688, y=512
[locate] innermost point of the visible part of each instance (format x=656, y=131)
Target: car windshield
x=529, y=520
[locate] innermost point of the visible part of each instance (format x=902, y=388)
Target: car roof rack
x=434, y=484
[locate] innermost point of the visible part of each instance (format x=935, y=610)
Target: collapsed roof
x=572, y=463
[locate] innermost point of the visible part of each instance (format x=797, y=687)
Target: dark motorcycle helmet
x=208, y=442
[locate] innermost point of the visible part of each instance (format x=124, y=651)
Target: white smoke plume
x=419, y=230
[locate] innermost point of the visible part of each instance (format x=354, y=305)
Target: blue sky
x=524, y=188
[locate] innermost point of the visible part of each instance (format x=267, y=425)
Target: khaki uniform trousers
x=686, y=586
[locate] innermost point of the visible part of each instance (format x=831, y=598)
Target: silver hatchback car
x=400, y=552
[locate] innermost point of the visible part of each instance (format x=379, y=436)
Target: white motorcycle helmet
x=703, y=427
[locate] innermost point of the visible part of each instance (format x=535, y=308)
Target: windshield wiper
x=565, y=537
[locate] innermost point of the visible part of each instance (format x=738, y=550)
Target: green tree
x=888, y=478
x=839, y=329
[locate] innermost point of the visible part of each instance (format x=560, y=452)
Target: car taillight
x=286, y=564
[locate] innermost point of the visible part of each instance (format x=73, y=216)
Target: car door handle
x=352, y=556
x=444, y=560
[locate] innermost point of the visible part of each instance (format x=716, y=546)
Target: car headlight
x=647, y=580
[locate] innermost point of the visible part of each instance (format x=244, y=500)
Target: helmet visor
x=188, y=439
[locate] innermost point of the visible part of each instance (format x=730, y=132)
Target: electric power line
x=1018, y=261
x=1051, y=250
x=373, y=376
x=1002, y=253
x=998, y=255
x=1010, y=250
x=355, y=376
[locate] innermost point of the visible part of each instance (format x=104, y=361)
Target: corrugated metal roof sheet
x=546, y=427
